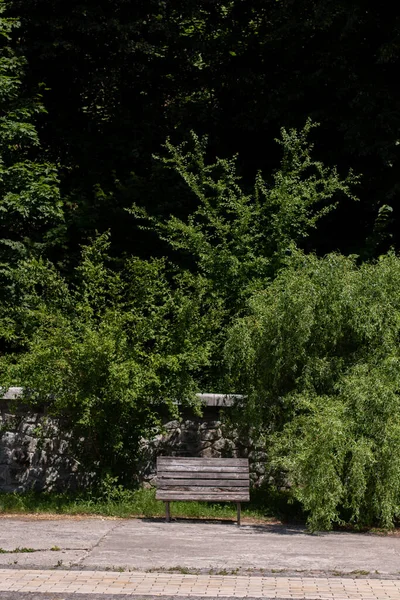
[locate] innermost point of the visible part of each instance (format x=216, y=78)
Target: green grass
x=139, y=503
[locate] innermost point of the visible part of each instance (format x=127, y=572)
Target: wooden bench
x=212, y=479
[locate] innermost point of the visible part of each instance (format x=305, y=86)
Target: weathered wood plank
x=244, y=475
x=188, y=496
x=215, y=489
x=204, y=469
x=195, y=459
x=228, y=462
x=204, y=479
x=166, y=482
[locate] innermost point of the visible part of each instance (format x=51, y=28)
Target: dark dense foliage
x=122, y=75
x=202, y=196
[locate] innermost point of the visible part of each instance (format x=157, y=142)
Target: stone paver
x=168, y=584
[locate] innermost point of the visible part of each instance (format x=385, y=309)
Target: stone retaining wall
x=208, y=436
x=34, y=454
x=35, y=451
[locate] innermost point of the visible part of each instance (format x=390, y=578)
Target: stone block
x=63, y=447
x=171, y=425
x=205, y=444
x=210, y=453
x=258, y=468
x=5, y=455
x=210, y=425
x=31, y=444
x=8, y=439
x=5, y=477
x=19, y=456
x=219, y=444
x=210, y=434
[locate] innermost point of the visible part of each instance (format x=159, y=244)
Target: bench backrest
x=217, y=479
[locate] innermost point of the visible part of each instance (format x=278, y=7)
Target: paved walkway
x=194, y=546
x=165, y=584
x=151, y=558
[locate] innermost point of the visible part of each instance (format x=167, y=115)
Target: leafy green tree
x=31, y=211
x=108, y=353
x=318, y=357
x=135, y=72
x=236, y=239
x=30, y=203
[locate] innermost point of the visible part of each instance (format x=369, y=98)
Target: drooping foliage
x=319, y=358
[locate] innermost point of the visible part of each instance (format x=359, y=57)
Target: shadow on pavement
x=278, y=528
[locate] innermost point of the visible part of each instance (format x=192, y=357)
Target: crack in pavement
x=101, y=538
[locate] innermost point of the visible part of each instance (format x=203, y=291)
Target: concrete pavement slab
x=51, y=542
x=47, y=533
x=194, y=546
x=43, y=559
x=201, y=545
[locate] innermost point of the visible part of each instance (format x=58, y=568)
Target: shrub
x=319, y=358
x=107, y=351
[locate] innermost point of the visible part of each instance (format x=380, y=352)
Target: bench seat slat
x=165, y=475
x=204, y=469
x=216, y=497
x=167, y=483
x=215, y=489
x=183, y=460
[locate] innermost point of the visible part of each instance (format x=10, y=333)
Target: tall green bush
x=236, y=239
x=109, y=352
x=319, y=358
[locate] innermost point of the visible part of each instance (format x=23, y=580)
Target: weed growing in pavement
x=178, y=569
x=17, y=550
x=182, y=570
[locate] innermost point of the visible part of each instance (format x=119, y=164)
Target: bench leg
x=238, y=513
x=167, y=513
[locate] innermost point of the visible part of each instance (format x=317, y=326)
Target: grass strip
x=138, y=503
